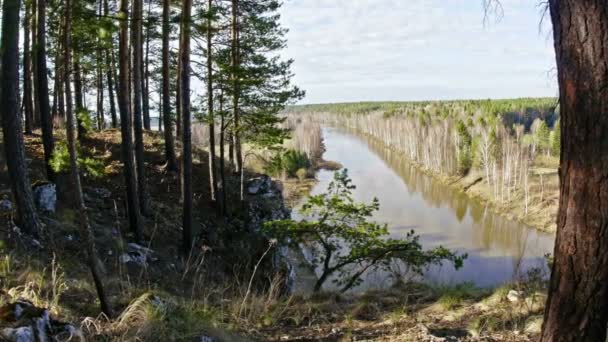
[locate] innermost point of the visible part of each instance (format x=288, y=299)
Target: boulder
x=25, y=322
x=513, y=296
x=45, y=197
x=259, y=185
x=138, y=255
x=6, y=205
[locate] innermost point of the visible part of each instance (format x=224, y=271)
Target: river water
x=499, y=250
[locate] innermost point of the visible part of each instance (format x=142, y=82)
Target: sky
x=379, y=50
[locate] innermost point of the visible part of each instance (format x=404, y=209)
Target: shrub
x=302, y=174
x=60, y=161
x=288, y=162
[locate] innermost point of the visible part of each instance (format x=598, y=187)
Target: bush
x=302, y=174
x=60, y=161
x=289, y=162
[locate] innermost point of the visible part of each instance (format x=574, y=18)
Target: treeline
x=214, y=62
x=498, y=138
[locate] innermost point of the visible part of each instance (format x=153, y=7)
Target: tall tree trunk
x=576, y=307
x=166, y=107
x=11, y=123
x=136, y=42
x=93, y=260
x=110, y=70
x=78, y=93
x=34, y=28
x=28, y=109
x=146, y=74
x=222, y=169
x=178, y=97
x=184, y=56
x=135, y=220
x=235, y=63
x=212, y=167
x=42, y=84
x=100, y=112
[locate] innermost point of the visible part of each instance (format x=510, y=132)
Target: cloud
x=417, y=49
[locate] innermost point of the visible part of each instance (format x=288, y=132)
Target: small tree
x=344, y=241
x=543, y=137
x=556, y=140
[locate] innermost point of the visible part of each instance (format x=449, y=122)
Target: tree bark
x=235, y=61
x=184, y=56
x=222, y=168
x=145, y=85
x=11, y=123
x=135, y=220
x=93, y=260
x=167, y=120
x=42, y=86
x=576, y=307
x=213, y=184
x=110, y=71
x=136, y=42
x=78, y=92
x=28, y=107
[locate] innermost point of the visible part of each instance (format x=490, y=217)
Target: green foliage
x=453, y=296
x=60, y=161
x=556, y=145
x=465, y=157
x=302, y=174
x=345, y=242
x=289, y=162
x=85, y=119
x=543, y=136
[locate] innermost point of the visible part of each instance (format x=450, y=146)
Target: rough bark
x=42, y=86
x=166, y=105
x=78, y=93
x=110, y=72
x=135, y=220
x=184, y=56
x=576, y=307
x=235, y=61
x=28, y=107
x=87, y=232
x=211, y=115
x=136, y=50
x=11, y=123
x=145, y=83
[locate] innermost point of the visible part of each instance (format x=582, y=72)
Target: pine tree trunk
x=212, y=167
x=166, y=107
x=576, y=307
x=222, y=168
x=42, y=86
x=93, y=260
x=235, y=60
x=135, y=219
x=110, y=71
x=78, y=93
x=146, y=74
x=136, y=42
x=184, y=56
x=28, y=109
x=11, y=123
x=34, y=29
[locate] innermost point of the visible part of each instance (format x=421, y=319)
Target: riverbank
x=543, y=190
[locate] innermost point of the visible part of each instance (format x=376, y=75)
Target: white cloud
x=351, y=50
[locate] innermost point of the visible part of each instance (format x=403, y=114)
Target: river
x=499, y=250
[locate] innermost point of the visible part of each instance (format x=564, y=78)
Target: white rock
x=22, y=334
x=45, y=197
x=513, y=296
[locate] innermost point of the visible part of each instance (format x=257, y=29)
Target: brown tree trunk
x=11, y=123
x=576, y=307
x=28, y=109
x=222, y=168
x=42, y=86
x=184, y=56
x=212, y=167
x=100, y=62
x=235, y=63
x=34, y=29
x=136, y=42
x=78, y=93
x=166, y=107
x=135, y=220
x=110, y=71
x=87, y=232
x=145, y=83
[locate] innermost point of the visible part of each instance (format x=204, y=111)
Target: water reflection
x=498, y=248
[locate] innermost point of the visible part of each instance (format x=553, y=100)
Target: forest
x=161, y=180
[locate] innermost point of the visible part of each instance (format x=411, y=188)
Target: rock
x=138, y=255
x=45, y=197
x=513, y=296
x=206, y=338
x=6, y=205
x=534, y=325
x=259, y=185
x=28, y=323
